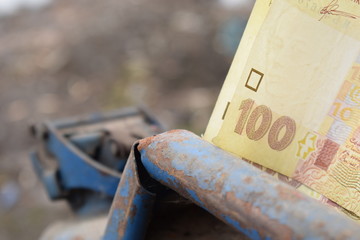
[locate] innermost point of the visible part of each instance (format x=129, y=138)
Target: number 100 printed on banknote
x=291, y=100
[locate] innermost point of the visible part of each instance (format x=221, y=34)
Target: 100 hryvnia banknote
x=291, y=100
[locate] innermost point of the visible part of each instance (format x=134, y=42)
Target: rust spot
x=143, y=143
x=248, y=216
x=253, y=218
x=133, y=211
x=78, y=238
x=286, y=195
x=129, y=182
x=278, y=209
x=126, y=203
x=176, y=131
x=248, y=180
x=320, y=225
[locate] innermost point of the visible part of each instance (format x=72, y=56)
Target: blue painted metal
x=76, y=159
x=248, y=199
x=78, y=170
x=100, y=118
x=97, y=118
x=131, y=208
x=47, y=177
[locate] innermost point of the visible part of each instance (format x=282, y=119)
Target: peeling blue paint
x=131, y=208
x=115, y=217
x=155, y=171
x=136, y=223
x=125, y=188
x=251, y=233
x=203, y=169
x=194, y=196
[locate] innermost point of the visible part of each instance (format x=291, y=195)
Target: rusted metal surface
x=241, y=195
x=131, y=207
x=250, y=200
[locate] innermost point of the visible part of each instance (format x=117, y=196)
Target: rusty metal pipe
x=131, y=208
x=250, y=200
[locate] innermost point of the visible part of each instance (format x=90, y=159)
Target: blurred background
x=61, y=58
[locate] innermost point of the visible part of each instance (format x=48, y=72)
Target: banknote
x=291, y=100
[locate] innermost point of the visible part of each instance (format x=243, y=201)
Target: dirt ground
x=82, y=56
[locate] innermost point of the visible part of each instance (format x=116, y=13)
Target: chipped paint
x=236, y=192
x=241, y=195
x=131, y=207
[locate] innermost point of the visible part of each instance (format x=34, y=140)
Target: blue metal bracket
x=81, y=159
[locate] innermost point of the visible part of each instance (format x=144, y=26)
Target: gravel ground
x=81, y=56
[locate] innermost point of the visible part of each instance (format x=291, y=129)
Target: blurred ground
x=81, y=56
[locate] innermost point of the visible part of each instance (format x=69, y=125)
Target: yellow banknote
x=291, y=100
